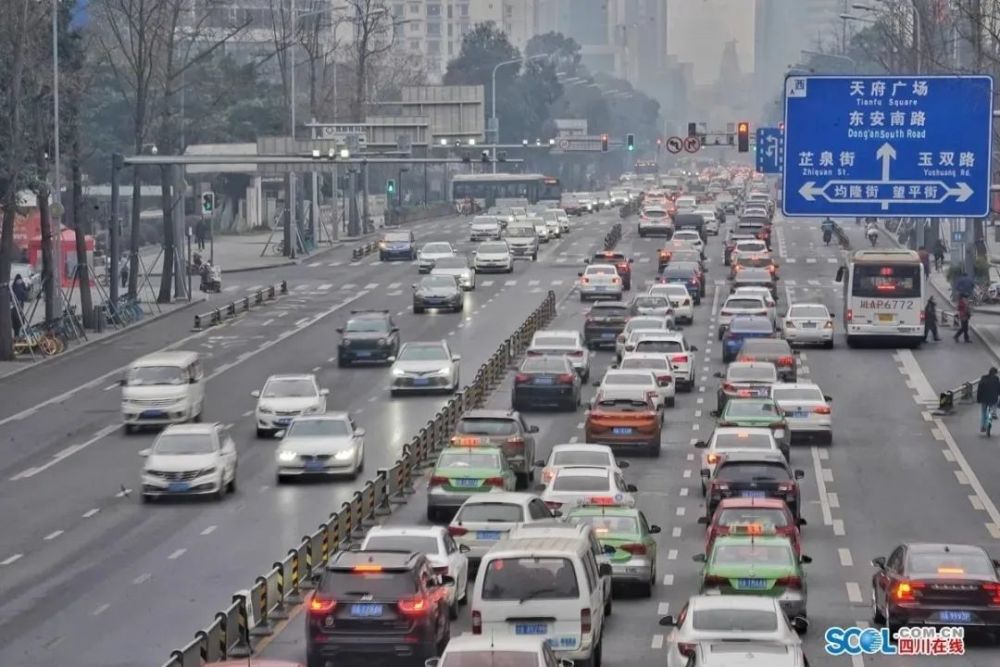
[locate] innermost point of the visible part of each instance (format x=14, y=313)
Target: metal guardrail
x=234, y=308
x=965, y=393
x=613, y=236
x=254, y=612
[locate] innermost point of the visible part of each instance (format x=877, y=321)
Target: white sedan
x=640, y=323
x=806, y=409
x=493, y=256
x=578, y=454
x=600, y=281
x=328, y=444
x=564, y=343
x=660, y=365
x=190, y=460
x=680, y=300
x=588, y=485
x=484, y=519
x=431, y=252
x=445, y=556
x=740, y=304
x=468, y=649
x=285, y=397
x=772, y=305
x=808, y=323
x=691, y=237
x=617, y=378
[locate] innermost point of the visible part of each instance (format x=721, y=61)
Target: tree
x=374, y=34
x=482, y=49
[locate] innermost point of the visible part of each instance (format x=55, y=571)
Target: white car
x=772, y=305
x=553, y=227
x=190, y=460
x=617, y=378
x=618, y=197
x=750, y=654
x=446, y=557
x=578, y=454
x=655, y=221
x=458, y=268
x=285, y=397
x=661, y=367
x=680, y=300
x=658, y=306
x=431, y=252
x=422, y=367
x=741, y=304
x=686, y=204
x=807, y=410
x=467, y=649
x=728, y=618
x=485, y=229
x=493, y=256
x=681, y=354
x=808, y=323
x=541, y=229
x=483, y=520
x=728, y=439
x=600, y=281
x=749, y=246
x=690, y=237
x=711, y=222
x=588, y=485
x=639, y=323
x=327, y=444
x=559, y=217
x=562, y=342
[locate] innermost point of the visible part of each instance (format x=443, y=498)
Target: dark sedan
x=741, y=328
x=688, y=274
x=756, y=277
x=546, y=381
x=604, y=322
x=397, y=245
x=441, y=292
x=775, y=350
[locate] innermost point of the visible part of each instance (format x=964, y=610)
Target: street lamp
x=917, y=29
x=493, y=88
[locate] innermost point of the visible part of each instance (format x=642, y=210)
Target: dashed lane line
x=854, y=592
x=91, y=512
x=53, y=535
x=845, y=557
x=177, y=554
x=209, y=530
x=10, y=560
x=142, y=578
x=100, y=609
x=821, y=483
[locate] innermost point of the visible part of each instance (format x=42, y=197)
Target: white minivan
x=163, y=388
x=547, y=587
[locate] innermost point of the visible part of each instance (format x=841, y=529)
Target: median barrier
x=364, y=249
x=613, y=236
x=256, y=612
x=230, y=310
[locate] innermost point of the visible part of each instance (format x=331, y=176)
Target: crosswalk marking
x=511, y=283
x=371, y=285
x=832, y=260
x=324, y=286
x=557, y=282
x=532, y=283
x=790, y=260
x=487, y=283
x=335, y=264
x=347, y=286
x=810, y=260
x=395, y=285
x=314, y=265
x=297, y=288
x=643, y=259
x=231, y=288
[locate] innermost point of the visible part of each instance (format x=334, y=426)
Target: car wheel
x=608, y=606
x=129, y=428
x=231, y=487
x=432, y=514
x=646, y=590
x=262, y=433
x=146, y=498
x=453, y=609
x=671, y=402
x=829, y=344
x=342, y=362
x=393, y=393
x=520, y=480
x=582, y=298
x=221, y=492
x=654, y=449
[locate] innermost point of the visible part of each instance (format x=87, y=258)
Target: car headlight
x=286, y=456
x=264, y=410
x=344, y=455
x=382, y=342
x=443, y=371
x=398, y=372
x=207, y=471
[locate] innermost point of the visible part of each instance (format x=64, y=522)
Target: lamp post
x=493, y=87
x=56, y=210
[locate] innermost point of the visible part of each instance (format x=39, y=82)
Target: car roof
x=425, y=343
x=751, y=323
x=753, y=430
x=750, y=364
x=173, y=358
x=797, y=385
x=291, y=376
x=609, y=304
x=746, y=295
x=336, y=415
x=601, y=266
x=205, y=428
x=468, y=642
x=705, y=602
x=658, y=356
x=558, y=332
x=393, y=560
x=766, y=342
x=478, y=449
x=804, y=304
x=623, y=392
x=486, y=413
x=604, y=510
x=583, y=471
x=406, y=531
x=624, y=371
x=581, y=447
x=942, y=548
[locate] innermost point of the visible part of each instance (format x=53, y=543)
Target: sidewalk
x=233, y=253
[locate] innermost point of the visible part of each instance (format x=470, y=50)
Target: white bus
x=883, y=297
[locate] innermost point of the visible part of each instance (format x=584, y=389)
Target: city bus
x=884, y=292
x=487, y=188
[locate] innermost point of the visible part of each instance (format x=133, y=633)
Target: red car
x=753, y=516
x=623, y=265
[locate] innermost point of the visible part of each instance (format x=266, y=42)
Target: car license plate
x=800, y=414
x=544, y=380
x=752, y=494
x=421, y=381
x=178, y=487
x=465, y=483
x=608, y=334
x=487, y=535
x=284, y=421
x=752, y=584
x=153, y=414
x=362, y=354
x=808, y=325
x=621, y=430
x=530, y=628
x=955, y=616
x=886, y=317
x=314, y=465
x=366, y=610
x=760, y=391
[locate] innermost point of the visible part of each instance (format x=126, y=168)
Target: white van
x=546, y=587
x=163, y=388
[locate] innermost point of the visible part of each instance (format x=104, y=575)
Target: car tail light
x=789, y=324
x=494, y=481
x=713, y=580
x=477, y=622
x=547, y=475
x=457, y=531
x=437, y=480
x=584, y=280
x=663, y=380
x=443, y=569
x=788, y=582
x=318, y=605
x=615, y=281
x=906, y=591
x=993, y=588
x=553, y=505
x=418, y=605
x=516, y=442
x=566, y=377
x=712, y=458
x=727, y=386
x=822, y=410
x=522, y=377
x=828, y=325
x=786, y=487
x=578, y=354
x=786, y=361
x=686, y=649
x=850, y=315
x=634, y=549
x=686, y=302
x=680, y=358
x=585, y=621
x=726, y=313
x=534, y=353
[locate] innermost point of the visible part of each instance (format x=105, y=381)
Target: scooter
x=827, y=236
x=873, y=237
x=211, y=278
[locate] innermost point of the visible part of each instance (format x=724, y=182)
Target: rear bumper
x=602, y=335
x=930, y=615
x=397, y=645
x=622, y=441
x=533, y=396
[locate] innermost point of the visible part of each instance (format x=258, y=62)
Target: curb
x=152, y=318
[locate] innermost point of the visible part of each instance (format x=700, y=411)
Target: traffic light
x=781, y=127
x=390, y=186
x=743, y=137
x=207, y=203
x=692, y=129
x=604, y=143
x=659, y=144
x=630, y=142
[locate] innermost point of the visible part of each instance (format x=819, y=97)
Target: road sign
x=692, y=144
x=675, y=144
x=958, y=237
x=770, y=150
x=891, y=146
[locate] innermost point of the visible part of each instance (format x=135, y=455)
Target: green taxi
x=633, y=561
x=461, y=472
x=760, y=413
x=752, y=565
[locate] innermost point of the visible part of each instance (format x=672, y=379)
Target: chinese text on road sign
x=770, y=150
x=890, y=146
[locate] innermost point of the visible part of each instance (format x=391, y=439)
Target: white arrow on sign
x=887, y=154
x=962, y=192
x=809, y=192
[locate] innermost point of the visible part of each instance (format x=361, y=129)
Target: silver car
x=438, y=292
x=523, y=240
x=190, y=460
x=457, y=267
x=493, y=256
x=600, y=281
x=566, y=343
x=655, y=305
x=329, y=444
x=485, y=228
x=431, y=252
x=422, y=367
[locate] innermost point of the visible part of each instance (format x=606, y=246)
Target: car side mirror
x=667, y=621
x=360, y=432
x=827, y=398
x=324, y=392
x=604, y=569
x=996, y=563
x=413, y=286
x=340, y=330
x=255, y=393
x=316, y=577
x=654, y=529
x=805, y=560
x=432, y=662
x=631, y=488
x=700, y=444
x=391, y=360
x=703, y=520
x=800, y=624
x=718, y=374
x=608, y=549
x=840, y=275
x=705, y=473
x=693, y=348
x=713, y=413
x=580, y=273
x=539, y=464
x=279, y=434
x=622, y=464
x=464, y=548
x=145, y=452
x=799, y=474
x=699, y=558
x=456, y=357
x=123, y=382
x=801, y=522
x=879, y=562
x=532, y=429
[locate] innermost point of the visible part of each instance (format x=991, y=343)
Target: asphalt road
x=894, y=472
x=92, y=577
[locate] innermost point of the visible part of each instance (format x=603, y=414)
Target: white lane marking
x=828, y=476
x=824, y=455
x=845, y=557
x=100, y=609
x=672, y=554
x=347, y=286
x=668, y=580
x=854, y=592
x=687, y=474
x=532, y=283
x=833, y=499
x=695, y=427
x=700, y=400
x=248, y=413
x=690, y=457
x=657, y=642
x=53, y=535
x=697, y=413
x=371, y=286
x=810, y=260
x=142, y=578
x=209, y=530
x=65, y=453
x=676, y=532
x=663, y=609
x=177, y=554
x=938, y=435
x=10, y=560
x=838, y=527
x=324, y=287
x=297, y=288
x=300, y=322
x=90, y=513
x=832, y=260
x=977, y=504
x=510, y=283
x=970, y=476
x=112, y=386
x=684, y=491
x=962, y=478
x=821, y=483
x=920, y=384
x=331, y=264
x=574, y=439
x=267, y=321
x=579, y=425
x=781, y=242
x=948, y=456
x=485, y=283
x=681, y=511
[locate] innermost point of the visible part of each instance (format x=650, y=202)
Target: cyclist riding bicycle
x=987, y=395
x=827, y=227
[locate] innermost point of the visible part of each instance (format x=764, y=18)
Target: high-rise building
x=698, y=32
x=782, y=30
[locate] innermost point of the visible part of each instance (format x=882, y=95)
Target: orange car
x=625, y=418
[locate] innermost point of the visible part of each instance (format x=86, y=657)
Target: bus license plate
x=531, y=629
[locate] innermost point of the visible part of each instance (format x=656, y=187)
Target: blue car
x=688, y=274
x=741, y=328
x=397, y=245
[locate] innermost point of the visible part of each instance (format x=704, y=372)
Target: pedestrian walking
x=123, y=270
x=925, y=259
x=987, y=395
x=19, y=290
x=930, y=319
x=964, y=313
x=939, y=250
x=200, y=231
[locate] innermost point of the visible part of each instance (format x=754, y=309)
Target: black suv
x=603, y=323
x=369, y=335
x=377, y=603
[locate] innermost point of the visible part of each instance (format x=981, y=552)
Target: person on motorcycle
x=872, y=233
x=827, y=228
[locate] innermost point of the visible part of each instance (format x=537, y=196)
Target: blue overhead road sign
x=770, y=150
x=887, y=146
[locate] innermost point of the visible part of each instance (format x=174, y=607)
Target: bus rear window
x=895, y=281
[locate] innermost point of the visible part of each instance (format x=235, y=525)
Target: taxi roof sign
x=754, y=529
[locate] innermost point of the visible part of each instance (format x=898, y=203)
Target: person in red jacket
x=964, y=313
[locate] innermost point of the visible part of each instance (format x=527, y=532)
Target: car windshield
x=367, y=324
x=751, y=325
x=491, y=658
x=742, y=441
x=397, y=237
x=140, y=376
x=651, y=302
x=752, y=554
x=437, y=282
x=637, y=323
x=764, y=346
x=469, y=459
x=744, y=471
x=601, y=270
x=312, y=428
x=520, y=230
x=654, y=213
x=628, y=378
x=755, y=373
x=437, y=248
x=659, y=346
x=742, y=303
x=289, y=388
x=813, y=312
x=493, y=248
x=644, y=363
x=554, y=341
x=938, y=564
x=530, y=579
x=450, y=263
x=491, y=512
x=420, y=544
x=338, y=584
x=546, y=364
x=581, y=483
x=603, y=524
x=749, y=409
x=762, y=515
x=734, y=620
x=486, y=426
x=581, y=458
x=423, y=353
x=184, y=443
x=792, y=394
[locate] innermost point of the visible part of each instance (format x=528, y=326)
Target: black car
x=688, y=274
x=397, y=245
x=936, y=584
x=389, y=604
x=740, y=329
x=774, y=350
x=754, y=475
x=440, y=292
x=369, y=335
x=547, y=380
x=603, y=323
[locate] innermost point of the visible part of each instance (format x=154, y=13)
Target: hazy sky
x=697, y=30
